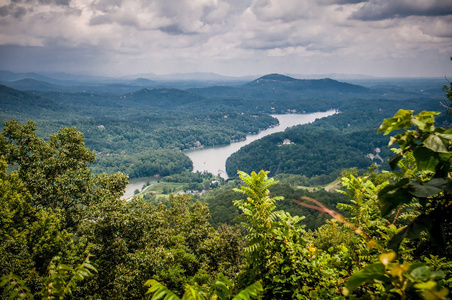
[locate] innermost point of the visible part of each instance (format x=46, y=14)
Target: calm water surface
x=137, y=184
x=213, y=159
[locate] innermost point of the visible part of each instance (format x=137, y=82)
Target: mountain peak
x=276, y=77
x=275, y=83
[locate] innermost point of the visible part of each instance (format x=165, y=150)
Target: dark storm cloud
x=173, y=29
x=18, y=8
x=340, y=2
x=56, y=2
x=184, y=17
x=20, y=11
x=123, y=20
x=106, y=5
x=376, y=10
x=166, y=36
x=49, y=57
x=272, y=43
x=13, y=10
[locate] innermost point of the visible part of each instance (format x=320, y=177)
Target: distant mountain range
x=75, y=79
x=271, y=93
x=196, y=76
x=66, y=82
x=275, y=81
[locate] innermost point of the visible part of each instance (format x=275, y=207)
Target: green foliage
x=144, y=164
x=448, y=90
x=400, y=281
x=432, y=186
x=60, y=282
x=258, y=207
x=421, y=192
x=52, y=206
x=135, y=240
x=277, y=251
x=222, y=288
x=30, y=236
x=131, y=240
x=63, y=278
x=14, y=288
x=363, y=209
x=55, y=172
x=222, y=208
x=318, y=150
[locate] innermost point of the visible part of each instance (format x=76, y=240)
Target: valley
x=141, y=131
x=69, y=151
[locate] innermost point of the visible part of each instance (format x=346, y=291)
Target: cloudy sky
x=229, y=37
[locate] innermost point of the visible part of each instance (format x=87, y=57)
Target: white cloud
x=228, y=35
x=383, y=9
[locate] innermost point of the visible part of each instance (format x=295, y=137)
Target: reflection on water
x=213, y=159
x=137, y=184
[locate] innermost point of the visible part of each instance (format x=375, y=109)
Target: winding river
x=213, y=159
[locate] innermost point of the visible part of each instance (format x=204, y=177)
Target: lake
x=213, y=159
x=137, y=184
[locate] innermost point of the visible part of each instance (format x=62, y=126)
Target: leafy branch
x=222, y=288
x=59, y=283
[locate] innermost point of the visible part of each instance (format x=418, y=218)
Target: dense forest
x=380, y=231
x=123, y=127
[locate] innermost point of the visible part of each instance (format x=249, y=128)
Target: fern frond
x=191, y=293
x=83, y=270
x=274, y=216
x=251, y=249
x=246, y=178
x=14, y=287
x=252, y=291
x=159, y=291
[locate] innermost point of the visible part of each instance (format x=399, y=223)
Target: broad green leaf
x=386, y=258
x=394, y=160
x=425, y=120
x=425, y=285
x=437, y=143
x=427, y=114
x=429, y=188
x=402, y=119
x=412, y=231
x=392, y=195
x=421, y=125
x=370, y=273
x=421, y=273
x=426, y=159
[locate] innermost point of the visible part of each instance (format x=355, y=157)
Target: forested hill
x=313, y=150
x=329, y=145
x=15, y=102
x=121, y=118
x=128, y=131
x=272, y=93
x=278, y=81
x=162, y=97
x=285, y=88
x=65, y=233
